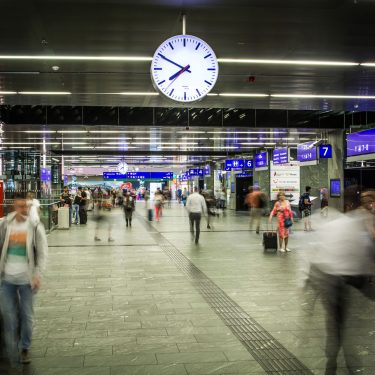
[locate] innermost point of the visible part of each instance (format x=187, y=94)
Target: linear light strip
x=149, y=58
x=312, y=96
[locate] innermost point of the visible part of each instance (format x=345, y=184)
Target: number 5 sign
x=325, y=152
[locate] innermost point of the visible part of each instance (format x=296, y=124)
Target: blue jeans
x=76, y=212
x=16, y=302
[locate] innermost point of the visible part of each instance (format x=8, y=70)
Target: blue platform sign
x=261, y=160
x=248, y=164
x=280, y=156
x=193, y=172
x=306, y=151
x=207, y=170
x=325, y=152
x=234, y=164
x=200, y=172
x=360, y=143
x=244, y=175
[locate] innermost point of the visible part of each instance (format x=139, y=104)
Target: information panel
x=193, y=172
x=360, y=143
x=261, y=160
x=280, y=156
x=335, y=187
x=138, y=176
x=306, y=151
x=207, y=170
x=285, y=177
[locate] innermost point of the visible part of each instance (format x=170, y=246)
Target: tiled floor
x=125, y=307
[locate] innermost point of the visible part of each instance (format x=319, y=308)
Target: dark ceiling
x=328, y=30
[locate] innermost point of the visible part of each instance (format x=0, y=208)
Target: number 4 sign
x=325, y=152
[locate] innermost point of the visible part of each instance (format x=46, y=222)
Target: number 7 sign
x=325, y=151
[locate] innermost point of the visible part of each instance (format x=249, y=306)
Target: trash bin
x=63, y=218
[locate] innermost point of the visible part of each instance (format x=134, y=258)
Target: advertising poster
x=285, y=177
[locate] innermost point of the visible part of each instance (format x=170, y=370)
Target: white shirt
x=196, y=204
x=88, y=194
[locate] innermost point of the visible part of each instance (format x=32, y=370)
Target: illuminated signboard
x=360, y=143
x=234, y=164
x=335, y=187
x=45, y=174
x=244, y=175
x=325, y=152
x=207, y=170
x=138, y=176
x=248, y=164
x=193, y=172
x=261, y=160
x=306, y=151
x=280, y=156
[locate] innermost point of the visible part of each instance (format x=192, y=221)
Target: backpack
x=262, y=201
x=301, y=202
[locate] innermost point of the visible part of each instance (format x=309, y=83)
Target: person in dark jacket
x=82, y=208
x=129, y=207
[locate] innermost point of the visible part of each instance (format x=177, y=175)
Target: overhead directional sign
x=261, y=160
x=234, y=164
x=325, y=152
x=280, y=156
x=138, y=176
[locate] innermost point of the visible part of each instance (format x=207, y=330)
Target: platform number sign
x=325, y=152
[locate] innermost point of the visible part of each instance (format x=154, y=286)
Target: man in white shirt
x=196, y=205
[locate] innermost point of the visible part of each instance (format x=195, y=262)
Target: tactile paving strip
x=265, y=349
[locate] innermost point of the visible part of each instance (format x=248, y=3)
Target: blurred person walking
x=284, y=215
x=324, y=203
x=129, y=207
x=344, y=258
x=83, y=208
x=158, y=203
x=196, y=205
x=33, y=206
x=255, y=201
x=24, y=248
x=76, y=202
x=305, y=208
x=184, y=196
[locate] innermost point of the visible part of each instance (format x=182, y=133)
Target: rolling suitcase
x=149, y=214
x=270, y=241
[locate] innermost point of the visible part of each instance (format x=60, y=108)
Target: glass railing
x=48, y=212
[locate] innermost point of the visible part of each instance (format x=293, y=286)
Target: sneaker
x=97, y=239
x=196, y=241
x=25, y=357
x=282, y=251
x=288, y=250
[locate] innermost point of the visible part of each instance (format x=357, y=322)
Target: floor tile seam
x=163, y=242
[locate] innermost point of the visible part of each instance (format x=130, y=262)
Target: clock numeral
x=208, y=82
x=158, y=68
x=184, y=42
x=184, y=95
x=211, y=69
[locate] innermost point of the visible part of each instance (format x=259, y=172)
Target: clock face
x=184, y=68
x=122, y=167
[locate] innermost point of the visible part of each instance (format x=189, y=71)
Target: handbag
x=288, y=222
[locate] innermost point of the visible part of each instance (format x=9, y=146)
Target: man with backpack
x=304, y=206
x=23, y=255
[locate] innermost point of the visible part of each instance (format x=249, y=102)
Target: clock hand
x=172, y=62
x=179, y=73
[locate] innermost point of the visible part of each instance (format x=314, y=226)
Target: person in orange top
x=254, y=202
